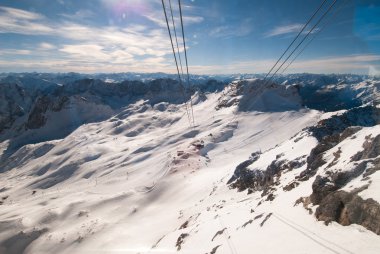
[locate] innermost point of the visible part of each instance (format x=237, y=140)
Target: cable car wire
x=187, y=65
x=307, y=35
x=294, y=40
x=175, y=35
x=329, y=21
x=175, y=58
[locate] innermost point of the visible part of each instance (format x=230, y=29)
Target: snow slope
x=141, y=180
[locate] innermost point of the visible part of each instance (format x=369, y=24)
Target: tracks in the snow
x=323, y=242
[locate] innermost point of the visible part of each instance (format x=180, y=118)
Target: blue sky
x=235, y=36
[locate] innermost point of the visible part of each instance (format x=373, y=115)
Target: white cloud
x=255, y=66
x=192, y=19
x=156, y=18
x=15, y=52
x=109, y=44
x=139, y=48
x=133, y=45
x=63, y=65
x=187, y=20
x=92, y=51
x=22, y=22
x=220, y=31
x=280, y=30
x=374, y=70
x=79, y=15
x=20, y=14
x=154, y=60
x=156, y=15
x=138, y=40
x=46, y=46
x=364, y=64
x=227, y=31
x=344, y=64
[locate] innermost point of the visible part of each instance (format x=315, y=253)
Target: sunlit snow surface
x=135, y=184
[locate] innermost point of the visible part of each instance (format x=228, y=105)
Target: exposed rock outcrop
x=329, y=132
x=362, y=116
x=256, y=179
x=181, y=240
x=259, y=95
x=349, y=208
x=37, y=117
x=14, y=102
x=241, y=169
x=334, y=204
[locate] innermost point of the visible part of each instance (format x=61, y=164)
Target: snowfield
x=140, y=179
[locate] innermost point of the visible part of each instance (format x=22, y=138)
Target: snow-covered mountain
x=92, y=166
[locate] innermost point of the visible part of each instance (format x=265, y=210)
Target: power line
x=332, y=17
x=307, y=35
x=187, y=65
x=175, y=58
x=175, y=34
x=180, y=60
x=300, y=32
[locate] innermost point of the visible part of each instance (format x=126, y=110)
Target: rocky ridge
x=323, y=166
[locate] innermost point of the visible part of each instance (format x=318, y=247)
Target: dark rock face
x=249, y=179
x=349, y=208
x=212, y=85
x=37, y=117
x=256, y=179
x=334, y=181
x=181, y=240
x=363, y=116
x=332, y=131
x=213, y=251
x=35, y=100
x=24, y=108
x=251, y=95
x=334, y=204
x=326, y=98
x=241, y=169
x=323, y=186
x=371, y=149
x=332, y=92
x=14, y=102
x=291, y=186
x=158, y=90
x=339, y=179
x=253, y=180
x=58, y=104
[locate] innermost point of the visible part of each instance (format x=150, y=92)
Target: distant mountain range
x=22, y=94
